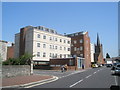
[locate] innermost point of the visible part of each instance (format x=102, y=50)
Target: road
x=91, y=78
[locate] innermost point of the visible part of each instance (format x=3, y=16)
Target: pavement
x=23, y=81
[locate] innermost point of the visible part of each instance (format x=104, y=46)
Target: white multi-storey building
x=42, y=42
x=3, y=50
x=92, y=52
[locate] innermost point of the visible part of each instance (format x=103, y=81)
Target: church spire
x=98, y=40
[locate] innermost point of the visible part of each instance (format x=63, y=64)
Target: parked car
x=108, y=65
x=94, y=65
x=115, y=70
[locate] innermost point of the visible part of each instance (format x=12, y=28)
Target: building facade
x=44, y=43
x=92, y=52
x=10, y=51
x=98, y=55
x=80, y=47
x=3, y=50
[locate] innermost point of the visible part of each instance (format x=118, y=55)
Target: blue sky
x=65, y=17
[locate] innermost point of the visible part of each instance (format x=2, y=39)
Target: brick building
x=10, y=51
x=80, y=47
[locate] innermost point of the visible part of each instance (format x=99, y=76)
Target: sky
x=65, y=17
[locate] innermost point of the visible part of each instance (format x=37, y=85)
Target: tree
x=25, y=59
x=107, y=55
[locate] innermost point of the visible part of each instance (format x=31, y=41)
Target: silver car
x=116, y=69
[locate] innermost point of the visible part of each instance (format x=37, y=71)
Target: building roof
x=45, y=29
x=3, y=41
x=77, y=33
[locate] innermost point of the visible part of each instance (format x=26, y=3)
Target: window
x=50, y=38
x=60, y=40
x=41, y=28
x=64, y=48
x=44, y=45
x=60, y=48
x=68, y=42
x=64, y=41
x=38, y=54
x=70, y=62
x=50, y=46
x=60, y=55
x=64, y=55
x=44, y=37
x=78, y=49
x=44, y=54
x=38, y=44
x=55, y=47
x=81, y=55
x=50, y=54
x=75, y=41
x=55, y=55
x=76, y=34
x=38, y=35
x=68, y=55
x=55, y=39
x=81, y=48
x=68, y=49
x=72, y=45
x=46, y=29
x=75, y=48
x=72, y=35
x=81, y=41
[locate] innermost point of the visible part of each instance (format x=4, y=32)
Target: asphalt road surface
x=91, y=78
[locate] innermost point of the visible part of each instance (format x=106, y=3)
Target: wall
x=15, y=70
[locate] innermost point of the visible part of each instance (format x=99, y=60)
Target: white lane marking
x=116, y=80
x=98, y=70
x=88, y=76
x=72, y=74
x=41, y=83
x=76, y=83
x=94, y=72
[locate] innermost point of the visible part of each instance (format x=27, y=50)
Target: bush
x=23, y=60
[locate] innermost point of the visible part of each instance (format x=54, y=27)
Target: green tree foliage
x=23, y=60
x=107, y=55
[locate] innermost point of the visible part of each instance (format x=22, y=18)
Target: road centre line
x=72, y=74
x=94, y=72
x=88, y=76
x=98, y=70
x=82, y=79
x=76, y=83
